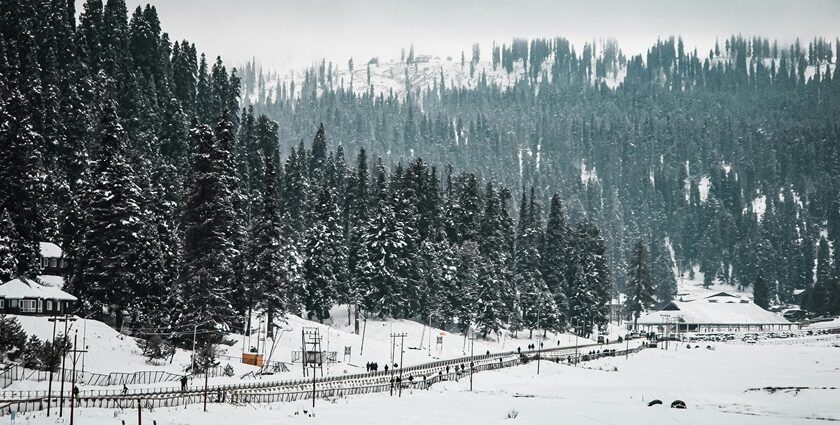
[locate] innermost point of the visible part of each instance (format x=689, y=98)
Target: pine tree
x=438, y=291
x=8, y=237
x=662, y=271
x=761, y=294
x=23, y=180
x=590, y=288
x=326, y=256
x=383, y=274
x=209, y=221
x=268, y=280
x=469, y=267
x=555, y=249
x=536, y=301
x=112, y=266
x=494, y=285
x=356, y=204
x=639, y=285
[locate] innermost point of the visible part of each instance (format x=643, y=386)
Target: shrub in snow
x=205, y=358
x=12, y=338
x=512, y=414
x=156, y=348
x=43, y=355
x=228, y=370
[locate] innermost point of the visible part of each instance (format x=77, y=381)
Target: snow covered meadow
x=722, y=385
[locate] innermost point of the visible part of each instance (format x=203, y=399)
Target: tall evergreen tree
x=209, y=221
x=267, y=276
x=537, y=303
x=761, y=294
x=494, y=281
x=555, y=249
x=8, y=237
x=111, y=261
x=662, y=271
x=326, y=256
x=639, y=285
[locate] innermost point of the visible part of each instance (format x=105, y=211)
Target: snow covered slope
x=337, y=335
x=716, y=385
x=110, y=351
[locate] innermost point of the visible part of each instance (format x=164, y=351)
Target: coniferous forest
x=180, y=201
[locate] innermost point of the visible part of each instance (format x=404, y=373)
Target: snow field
x=715, y=384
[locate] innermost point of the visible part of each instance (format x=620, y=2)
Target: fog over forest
x=284, y=34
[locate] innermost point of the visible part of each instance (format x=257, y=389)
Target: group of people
x=374, y=367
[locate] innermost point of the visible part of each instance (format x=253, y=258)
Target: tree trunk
x=119, y=318
x=356, y=328
x=247, y=330
x=269, y=328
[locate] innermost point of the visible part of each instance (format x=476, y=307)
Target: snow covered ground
x=420, y=343
x=110, y=351
x=715, y=384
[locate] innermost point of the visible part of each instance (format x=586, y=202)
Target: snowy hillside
x=110, y=351
x=395, y=76
x=338, y=335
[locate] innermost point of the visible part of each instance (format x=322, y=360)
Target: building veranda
x=720, y=312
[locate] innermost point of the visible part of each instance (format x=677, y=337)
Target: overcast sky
x=295, y=33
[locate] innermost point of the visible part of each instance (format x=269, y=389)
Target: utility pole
x=75, y=359
x=394, y=337
x=65, y=319
x=54, y=319
x=312, y=337
x=206, y=378
x=627, y=351
x=364, y=328
x=472, y=363
x=576, y=341
x=84, y=342
x=192, y=364
x=539, y=347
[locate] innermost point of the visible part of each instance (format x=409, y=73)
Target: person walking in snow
x=184, y=383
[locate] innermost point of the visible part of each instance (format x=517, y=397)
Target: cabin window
x=28, y=306
x=49, y=305
x=53, y=262
x=44, y=263
x=13, y=303
x=40, y=306
x=2, y=303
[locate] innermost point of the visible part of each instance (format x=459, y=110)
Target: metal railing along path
x=424, y=375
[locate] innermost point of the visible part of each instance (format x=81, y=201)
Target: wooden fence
x=423, y=375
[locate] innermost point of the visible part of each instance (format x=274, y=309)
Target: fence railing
x=10, y=375
x=331, y=386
